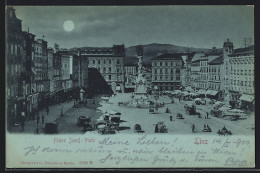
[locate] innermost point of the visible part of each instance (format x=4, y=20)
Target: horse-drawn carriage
x=191, y=109
x=206, y=128
x=179, y=116
x=151, y=111
x=160, y=127
x=82, y=120
x=104, y=128
x=138, y=129
x=120, y=103
x=109, y=123
x=224, y=131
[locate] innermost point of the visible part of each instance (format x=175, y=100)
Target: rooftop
x=243, y=51
x=218, y=60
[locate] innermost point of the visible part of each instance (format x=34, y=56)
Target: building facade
x=242, y=75
x=14, y=61
x=166, y=69
x=110, y=63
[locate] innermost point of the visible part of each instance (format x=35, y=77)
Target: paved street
x=54, y=113
x=134, y=116
x=131, y=116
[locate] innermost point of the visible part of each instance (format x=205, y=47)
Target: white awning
x=213, y=93
x=118, y=88
x=208, y=91
x=248, y=98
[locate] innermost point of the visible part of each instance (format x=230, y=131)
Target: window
x=177, y=78
x=109, y=69
x=160, y=63
x=166, y=64
x=235, y=82
x=117, y=70
x=166, y=77
x=171, y=78
x=104, y=69
x=241, y=83
x=160, y=77
x=245, y=83
x=109, y=61
x=155, y=78
x=166, y=70
x=155, y=71
x=171, y=70
x=241, y=72
x=93, y=61
x=104, y=61
x=118, y=62
x=109, y=77
x=245, y=72
x=178, y=71
x=98, y=61
x=98, y=68
x=161, y=71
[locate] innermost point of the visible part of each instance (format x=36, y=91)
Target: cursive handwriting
x=144, y=141
x=32, y=149
x=118, y=159
x=107, y=141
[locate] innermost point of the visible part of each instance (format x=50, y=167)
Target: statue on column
x=141, y=87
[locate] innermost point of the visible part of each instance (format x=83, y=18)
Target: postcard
x=130, y=86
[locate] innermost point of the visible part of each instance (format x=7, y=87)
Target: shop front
x=247, y=102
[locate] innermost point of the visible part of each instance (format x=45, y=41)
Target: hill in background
x=155, y=49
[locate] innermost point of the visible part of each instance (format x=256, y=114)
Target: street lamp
x=61, y=111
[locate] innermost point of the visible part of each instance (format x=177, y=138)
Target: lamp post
x=156, y=97
x=61, y=111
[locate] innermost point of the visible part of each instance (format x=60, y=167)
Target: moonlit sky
x=193, y=26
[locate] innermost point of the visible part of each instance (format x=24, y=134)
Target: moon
x=68, y=25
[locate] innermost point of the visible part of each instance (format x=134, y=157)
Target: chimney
x=28, y=30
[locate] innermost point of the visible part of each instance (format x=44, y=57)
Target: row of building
x=36, y=75
x=230, y=72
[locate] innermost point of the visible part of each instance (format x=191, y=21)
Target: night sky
x=193, y=26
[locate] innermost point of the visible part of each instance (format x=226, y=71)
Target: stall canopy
x=189, y=89
x=247, y=98
x=201, y=91
x=213, y=93
x=208, y=91
x=118, y=88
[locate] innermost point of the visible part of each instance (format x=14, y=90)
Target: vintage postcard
x=130, y=86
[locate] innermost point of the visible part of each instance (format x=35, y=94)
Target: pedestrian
x=207, y=115
x=38, y=118
x=204, y=126
x=47, y=110
x=193, y=128
x=172, y=101
x=179, y=98
x=42, y=119
x=163, y=105
x=156, y=128
x=171, y=118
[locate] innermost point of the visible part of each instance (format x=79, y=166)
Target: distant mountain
x=153, y=50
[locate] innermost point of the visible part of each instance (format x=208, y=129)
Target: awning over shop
x=208, y=91
x=248, y=98
x=201, y=91
x=213, y=93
